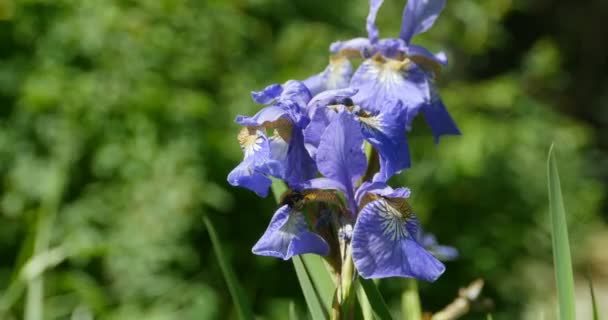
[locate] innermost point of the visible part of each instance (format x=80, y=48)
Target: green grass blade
x=373, y=296
x=596, y=314
x=313, y=300
x=489, y=316
x=561, y=246
x=238, y=297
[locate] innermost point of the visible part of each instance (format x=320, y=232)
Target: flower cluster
x=313, y=135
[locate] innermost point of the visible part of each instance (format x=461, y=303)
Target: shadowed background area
x=117, y=134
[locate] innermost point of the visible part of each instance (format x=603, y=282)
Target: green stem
x=410, y=301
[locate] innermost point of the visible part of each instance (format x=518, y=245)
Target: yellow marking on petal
x=251, y=140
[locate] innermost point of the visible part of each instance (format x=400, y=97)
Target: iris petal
x=269, y=94
x=386, y=132
x=384, y=245
x=372, y=31
x=340, y=154
x=438, y=118
x=381, y=82
x=419, y=16
x=288, y=235
x=335, y=76
x=244, y=175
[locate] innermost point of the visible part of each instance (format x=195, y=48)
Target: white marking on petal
x=372, y=123
x=294, y=223
x=393, y=221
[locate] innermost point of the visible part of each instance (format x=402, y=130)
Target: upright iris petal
x=385, y=130
x=288, y=235
x=340, y=155
x=419, y=16
x=384, y=245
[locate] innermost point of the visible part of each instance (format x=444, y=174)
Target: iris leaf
x=238, y=297
x=369, y=290
x=561, y=246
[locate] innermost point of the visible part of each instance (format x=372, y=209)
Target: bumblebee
x=297, y=199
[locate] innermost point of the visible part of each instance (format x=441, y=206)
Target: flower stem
x=410, y=301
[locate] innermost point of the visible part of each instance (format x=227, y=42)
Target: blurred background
x=117, y=134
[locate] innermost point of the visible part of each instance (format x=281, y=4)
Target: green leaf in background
x=596, y=314
x=367, y=289
x=240, y=300
x=561, y=247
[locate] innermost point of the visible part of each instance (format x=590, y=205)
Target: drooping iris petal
x=335, y=76
x=384, y=245
x=438, y=117
x=382, y=81
x=419, y=16
x=340, y=154
x=372, y=31
x=269, y=94
x=244, y=175
x=250, y=173
x=441, y=252
x=288, y=235
x=385, y=131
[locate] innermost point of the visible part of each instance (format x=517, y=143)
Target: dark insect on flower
x=297, y=199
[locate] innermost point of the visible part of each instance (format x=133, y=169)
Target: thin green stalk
x=410, y=301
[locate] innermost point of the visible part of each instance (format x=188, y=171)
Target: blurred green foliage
x=116, y=122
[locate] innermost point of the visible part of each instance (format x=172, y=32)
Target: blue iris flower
x=386, y=231
x=281, y=154
x=397, y=71
x=383, y=129
x=320, y=126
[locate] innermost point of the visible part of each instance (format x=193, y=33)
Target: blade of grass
x=596, y=314
x=367, y=289
x=238, y=297
x=561, y=246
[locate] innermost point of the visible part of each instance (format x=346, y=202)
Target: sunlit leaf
x=369, y=289
x=561, y=246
